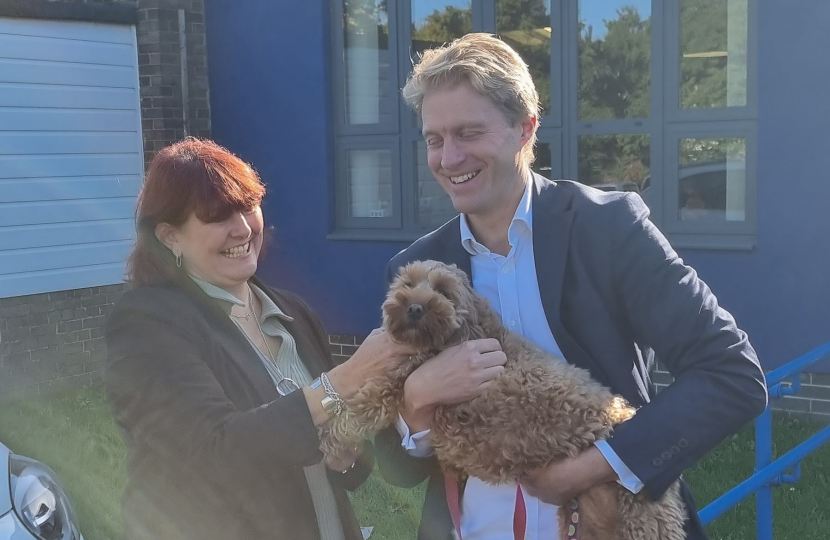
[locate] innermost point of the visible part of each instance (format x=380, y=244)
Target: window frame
x=710, y=130
x=674, y=113
x=367, y=143
x=561, y=128
x=553, y=138
x=342, y=127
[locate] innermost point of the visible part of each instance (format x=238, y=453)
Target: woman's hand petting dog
x=565, y=479
x=377, y=352
x=455, y=375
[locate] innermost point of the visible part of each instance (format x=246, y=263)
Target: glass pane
x=713, y=48
x=712, y=180
x=369, y=175
x=525, y=26
x=614, y=59
x=436, y=22
x=434, y=207
x=367, y=59
x=615, y=162
x=542, y=165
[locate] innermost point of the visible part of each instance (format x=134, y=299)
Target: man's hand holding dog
x=455, y=375
x=563, y=480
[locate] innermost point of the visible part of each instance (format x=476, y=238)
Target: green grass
x=801, y=511
x=74, y=434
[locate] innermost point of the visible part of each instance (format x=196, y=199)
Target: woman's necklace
x=259, y=327
x=246, y=316
x=285, y=385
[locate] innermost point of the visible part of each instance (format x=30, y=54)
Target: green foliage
x=614, y=82
x=705, y=30
x=359, y=16
x=522, y=15
x=393, y=513
x=696, y=151
x=800, y=509
x=441, y=27
x=614, y=72
x=525, y=26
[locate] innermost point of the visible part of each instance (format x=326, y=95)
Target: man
x=583, y=274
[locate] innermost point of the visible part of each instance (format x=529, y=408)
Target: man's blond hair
x=492, y=68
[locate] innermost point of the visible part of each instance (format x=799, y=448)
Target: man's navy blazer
x=616, y=296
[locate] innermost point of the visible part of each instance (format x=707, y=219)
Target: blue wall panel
x=780, y=293
x=270, y=99
x=271, y=103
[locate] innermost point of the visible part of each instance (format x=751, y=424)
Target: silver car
x=33, y=505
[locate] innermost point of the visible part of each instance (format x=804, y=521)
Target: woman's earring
x=178, y=259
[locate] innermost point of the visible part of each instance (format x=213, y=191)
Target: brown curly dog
x=541, y=409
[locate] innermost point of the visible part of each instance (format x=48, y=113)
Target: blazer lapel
x=552, y=220
x=239, y=349
x=247, y=359
x=452, y=250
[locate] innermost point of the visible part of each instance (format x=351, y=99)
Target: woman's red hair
x=193, y=176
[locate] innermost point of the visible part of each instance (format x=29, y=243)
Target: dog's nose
x=415, y=311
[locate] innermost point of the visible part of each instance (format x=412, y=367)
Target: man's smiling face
x=472, y=149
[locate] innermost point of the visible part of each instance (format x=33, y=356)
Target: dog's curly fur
x=540, y=410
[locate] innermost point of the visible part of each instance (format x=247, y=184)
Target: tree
x=614, y=82
x=358, y=15
x=525, y=26
x=709, y=51
x=441, y=27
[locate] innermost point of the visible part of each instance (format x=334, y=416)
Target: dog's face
x=428, y=305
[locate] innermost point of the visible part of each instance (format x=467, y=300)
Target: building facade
x=712, y=109
x=88, y=93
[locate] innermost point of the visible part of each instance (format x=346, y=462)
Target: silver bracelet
x=339, y=404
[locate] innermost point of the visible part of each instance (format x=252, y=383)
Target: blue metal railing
x=769, y=473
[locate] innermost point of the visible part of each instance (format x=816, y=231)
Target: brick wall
x=159, y=70
x=53, y=340
x=343, y=346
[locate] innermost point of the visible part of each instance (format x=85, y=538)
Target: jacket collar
x=552, y=217
x=553, y=213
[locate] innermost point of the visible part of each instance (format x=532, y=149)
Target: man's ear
x=166, y=234
x=528, y=129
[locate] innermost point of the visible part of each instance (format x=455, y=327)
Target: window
x=637, y=95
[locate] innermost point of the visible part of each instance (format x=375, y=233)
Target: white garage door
x=71, y=159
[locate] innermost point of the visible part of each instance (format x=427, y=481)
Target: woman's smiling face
x=223, y=253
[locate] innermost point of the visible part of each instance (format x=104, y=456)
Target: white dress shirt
x=510, y=284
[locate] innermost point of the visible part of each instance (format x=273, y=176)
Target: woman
x=219, y=382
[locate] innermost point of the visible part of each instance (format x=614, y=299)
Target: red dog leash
x=453, y=490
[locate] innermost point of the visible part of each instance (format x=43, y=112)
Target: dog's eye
x=443, y=293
